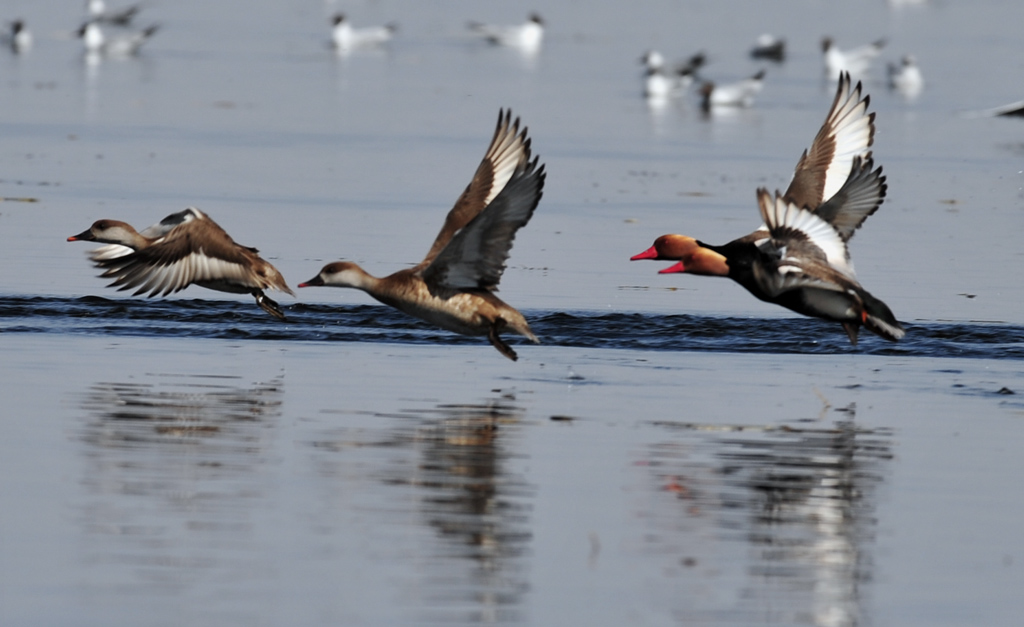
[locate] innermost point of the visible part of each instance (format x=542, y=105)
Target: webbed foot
x=497, y=342
x=268, y=305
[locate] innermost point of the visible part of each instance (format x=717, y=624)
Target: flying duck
x=183, y=249
x=453, y=287
x=836, y=183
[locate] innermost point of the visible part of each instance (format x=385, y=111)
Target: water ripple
x=93, y=315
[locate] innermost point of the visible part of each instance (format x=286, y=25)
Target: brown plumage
x=848, y=132
x=183, y=249
x=453, y=287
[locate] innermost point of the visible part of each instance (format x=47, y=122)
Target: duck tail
x=879, y=319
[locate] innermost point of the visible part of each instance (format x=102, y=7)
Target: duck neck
x=126, y=236
x=356, y=278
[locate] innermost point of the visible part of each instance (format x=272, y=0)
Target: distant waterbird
x=855, y=62
x=345, y=37
x=906, y=78
x=98, y=12
x=737, y=94
x=17, y=37
x=660, y=82
x=120, y=44
x=770, y=48
x=526, y=37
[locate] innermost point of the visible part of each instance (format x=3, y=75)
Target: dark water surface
x=93, y=315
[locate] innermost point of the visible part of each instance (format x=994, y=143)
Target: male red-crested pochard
x=835, y=181
x=453, y=287
x=183, y=249
x=805, y=266
x=822, y=170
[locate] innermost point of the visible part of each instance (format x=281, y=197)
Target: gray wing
x=509, y=150
x=859, y=197
x=163, y=227
x=475, y=257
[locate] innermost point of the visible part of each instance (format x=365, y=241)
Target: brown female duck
x=184, y=248
x=453, y=287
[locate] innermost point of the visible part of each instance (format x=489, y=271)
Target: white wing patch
x=206, y=268
x=475, y=257
x=110, y=251
x=505, y=154
x=782, y=216
x=853, y=129
x=197, y=268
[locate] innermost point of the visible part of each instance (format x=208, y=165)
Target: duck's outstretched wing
x=194, y=251
x=475, y=257
x=801, y=242
x=508, y=152
x=859, y=197
x=848, y=132
x=154, y=233
x=165, y=226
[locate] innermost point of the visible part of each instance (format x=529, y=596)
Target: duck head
x=339, y=274
x=109, y=232
x=693, y=257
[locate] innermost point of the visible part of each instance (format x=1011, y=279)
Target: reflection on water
x=525, y=59
x=666, y=113
x=452, y=462
x=171, y=475
x=188, y=410
x=799, y=499
x=102, y=73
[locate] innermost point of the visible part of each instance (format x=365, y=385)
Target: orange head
x=668, y=247
x=692, y=257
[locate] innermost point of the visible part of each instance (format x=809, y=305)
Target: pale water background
x=676, y=452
